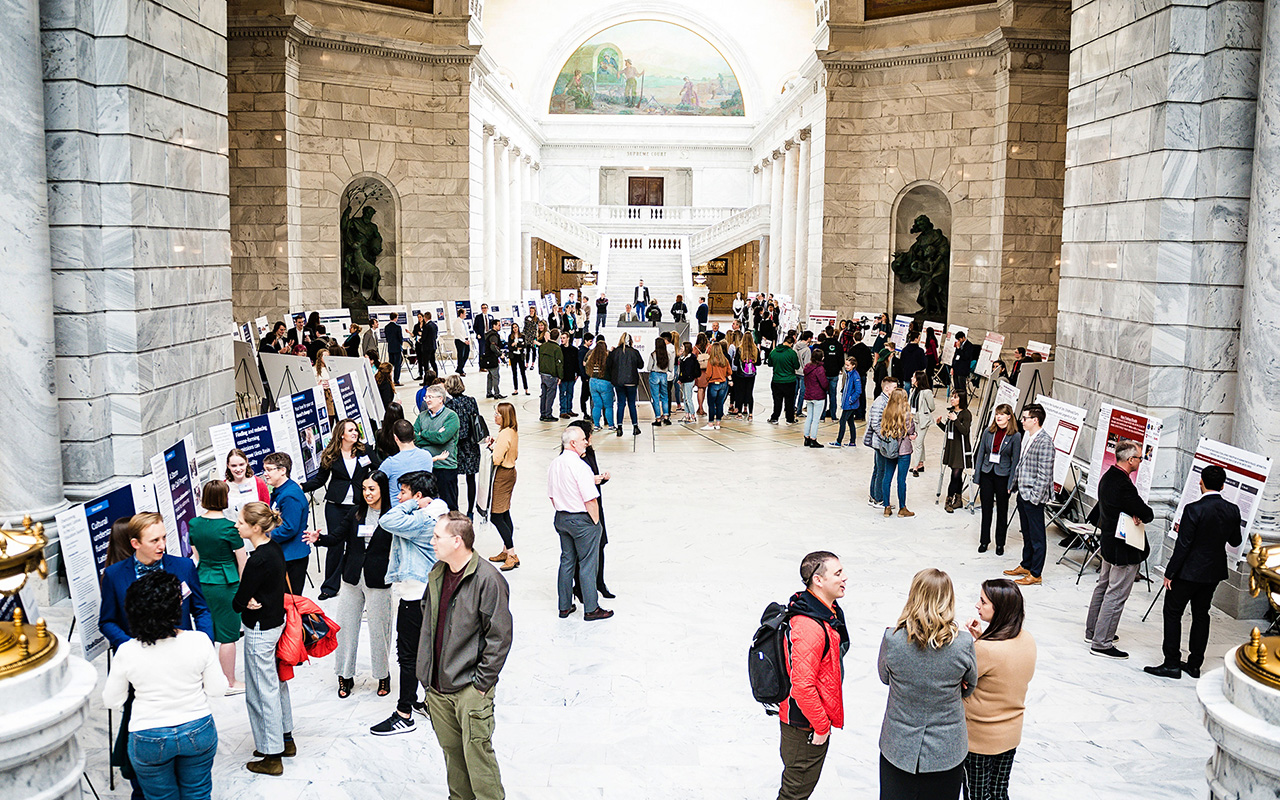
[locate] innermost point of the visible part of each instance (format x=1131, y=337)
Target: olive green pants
x=463, y=722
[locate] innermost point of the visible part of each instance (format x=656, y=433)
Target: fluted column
x=765, y=198
x=490, y=199
x=503, y=190
x=775, y=223
x=1257, y=419
x=510, y=289
x=31, y=461
x=790, y=171
x=526, y=251
x=802, y=223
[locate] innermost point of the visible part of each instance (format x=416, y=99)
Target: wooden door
x=644, y=191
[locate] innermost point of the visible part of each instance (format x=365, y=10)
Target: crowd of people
x=401, y=564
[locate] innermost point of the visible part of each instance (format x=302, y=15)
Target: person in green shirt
x=436, y=430
x=222, y=556
x=785, y=362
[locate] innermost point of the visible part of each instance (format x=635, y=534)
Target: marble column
x=765, y=198
x=775, y=223
x=526, y=252
x=802, y=223
x=1257, y=419
x=790, y=173
x=489, y=277
x=755, y=185
x=509, y=291
x=503, y=216
x=31, y=463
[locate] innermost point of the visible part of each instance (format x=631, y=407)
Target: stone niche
x=368, y=226
x=919, y=199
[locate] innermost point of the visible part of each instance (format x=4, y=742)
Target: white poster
x=287, y=374
x=820, y=319
x=336, y=322
x=1039, y=347
x=1247, y=474
x=949, y=343
x=641, y=339
x=259, y=437
x=177, y=493
x=528, y=297
x=385, y=314
x=901, y=324
x=263, y=325
x=1064, y=422
x=1005, y=393
x=367, y=380
x=991, y=347
x=307, y=415
x=1115, y=424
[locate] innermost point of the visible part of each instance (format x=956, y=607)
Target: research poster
x=246, y=334
x=949, y=343
x=1005, y=393
x=528, y=298
x=346, y=397
x=901, y=324
x=263, y=325
x=307, y=416
x=336, y=321
x=465, y=307
x=991, y=347
x=1041, y=348
x=1064, y=422
x=939, y=331
x=1247, y=474
x=820, y=319
x=385, y=314
x=1115, y=424
x=177, y=492
x=259, y=437
x=85, y=533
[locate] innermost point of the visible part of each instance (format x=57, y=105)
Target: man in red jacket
x=819, y=640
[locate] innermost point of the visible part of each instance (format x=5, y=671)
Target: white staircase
x=662, y=268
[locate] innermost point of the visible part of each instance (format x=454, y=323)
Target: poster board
x=259, y=437
x=528, y=297
x=939, y=331
x=821, y=318
x=245, y=330
x=84, y=532
x=991, y=347
x=287, y=374
x=1118, y=423
x=349, y=402
x=248, y=379
x=336, y=321
x=307, y=416
x=1064, y=422
x=262, y=325
x=177, y=493
x=1247, y=475
x=385, y=314
x=1039, y=347
x=1034, y=376
x=364, y=374
x=1005, y=393
x=901, y=324
x=463, y=306
x=638, y=339
x=948, y=353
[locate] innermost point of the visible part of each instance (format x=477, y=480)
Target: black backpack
x=767, y=657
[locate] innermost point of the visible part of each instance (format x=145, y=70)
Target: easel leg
x=1153, y=601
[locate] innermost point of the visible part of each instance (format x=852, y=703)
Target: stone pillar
x=489, y=277
x=510, y=289
x=756, y=181
x=1257, y=419
x=503, y=216
x=790, y=173
x=775, y=223
x=801, y=292
x=31, y=466
x=526, y=253
x=765, y=198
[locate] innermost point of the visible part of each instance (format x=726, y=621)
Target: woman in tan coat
x=1006, y=656
x=505, y=448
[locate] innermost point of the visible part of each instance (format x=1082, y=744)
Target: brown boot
x=903, y=512
x=511, y=563
x=267, y=765
x=500, y=557
x=950, y=506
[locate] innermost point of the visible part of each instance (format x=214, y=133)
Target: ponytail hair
x=262, y=516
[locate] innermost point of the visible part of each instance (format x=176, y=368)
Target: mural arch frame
x=657, y=11
x=392, y=261
x=899, y=230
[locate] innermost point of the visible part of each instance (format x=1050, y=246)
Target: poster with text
x=901, y=324
x=1247, y=474
x=949, y=343
x=85, y=534
x=528, y=297
x=991, y=347
x=350, y=405
x=306, y=414
x=258, y=437
x=336, y=322
x=820, y=319
x=1064, y=422
x=1115, y=424
x=385, y=314
x=177, y=493
x=866, y=319
x=246, y=334
x=1005, y=393
x=461, y=305
x=1039, y=347
x=262, y=325
x=939, y=331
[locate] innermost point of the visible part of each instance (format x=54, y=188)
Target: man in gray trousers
x=571, y=485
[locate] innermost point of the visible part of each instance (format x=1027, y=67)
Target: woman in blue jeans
x=594, y=367
x=661, y=372
x=897, y=425
x=172, y=738
x=623, y=367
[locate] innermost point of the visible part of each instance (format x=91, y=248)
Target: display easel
x=943, y=469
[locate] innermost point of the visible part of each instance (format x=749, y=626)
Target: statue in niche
x=361, y=246
x=928, y=262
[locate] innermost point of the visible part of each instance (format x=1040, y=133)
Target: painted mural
x=647, y=68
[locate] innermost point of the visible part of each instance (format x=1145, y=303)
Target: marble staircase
x=662, y=267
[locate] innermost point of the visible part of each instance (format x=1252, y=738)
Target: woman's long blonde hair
x=897, y=416
x=929, y=617
x=719, y=356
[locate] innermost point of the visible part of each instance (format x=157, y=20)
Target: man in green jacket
x=551, y=370
x=785, y=363
x=436, y=431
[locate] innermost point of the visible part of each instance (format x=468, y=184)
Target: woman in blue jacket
x=850, y=402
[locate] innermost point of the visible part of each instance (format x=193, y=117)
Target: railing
x=660, y=243
x=729, y=233
x=561, y=231
x=710, y=214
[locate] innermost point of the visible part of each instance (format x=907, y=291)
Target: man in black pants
x=1196, y=567
x=411, y=523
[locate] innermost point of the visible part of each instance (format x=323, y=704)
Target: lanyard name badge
x=366, y=531
x=994, y=457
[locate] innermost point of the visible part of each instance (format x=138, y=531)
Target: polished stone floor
x=705, y=529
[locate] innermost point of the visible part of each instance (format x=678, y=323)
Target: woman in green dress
x=220, y=555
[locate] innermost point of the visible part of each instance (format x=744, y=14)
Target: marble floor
x=705, y=529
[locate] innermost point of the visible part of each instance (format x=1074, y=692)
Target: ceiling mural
x=647, y=68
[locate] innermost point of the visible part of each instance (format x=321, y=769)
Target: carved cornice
x=993, y=45
x=303, y=33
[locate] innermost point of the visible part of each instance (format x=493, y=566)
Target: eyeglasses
x=272, y=468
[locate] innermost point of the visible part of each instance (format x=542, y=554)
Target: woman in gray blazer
x=993, y=463
x=929, y=670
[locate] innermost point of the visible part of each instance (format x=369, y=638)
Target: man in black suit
x=395, y=347
x=640, y=298
x=965, y=354
x=912, y=359
x=480, y=327
x=703, y=314
x=428, y=333
x=1197, y=565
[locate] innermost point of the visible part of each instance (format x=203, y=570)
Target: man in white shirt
x=461, y=340
x=571, y=486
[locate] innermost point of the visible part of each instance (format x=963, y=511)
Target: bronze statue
x=361, y=247
x=927, y=262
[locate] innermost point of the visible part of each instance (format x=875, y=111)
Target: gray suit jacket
x=1033, y=475
x=924, y=728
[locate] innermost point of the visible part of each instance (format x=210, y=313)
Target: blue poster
x=179, y=489
x=100, y=515
x=312, y=420
x=253, y=436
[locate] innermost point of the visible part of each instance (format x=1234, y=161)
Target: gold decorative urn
x=22, y=645
x=1260, y=657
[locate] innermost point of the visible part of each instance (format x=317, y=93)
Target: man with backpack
x=814, y=649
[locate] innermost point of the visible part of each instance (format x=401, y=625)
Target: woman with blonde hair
x=601, y=390
x=717, y=375
x=745, y=363
x=929, y=669
x=623, y=367
x=897, y=430
x=505, y=448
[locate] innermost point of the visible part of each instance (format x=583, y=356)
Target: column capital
x=805, y=133
x=489, y=130
x=790, y=143
x=777, y=155
x=528, y=160
x=756, y=169
x=537, y=165
x=503, y=141
x=515, y=151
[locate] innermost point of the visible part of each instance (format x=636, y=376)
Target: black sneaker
x=420, y=708
x=1110, y=652
x=392, y=725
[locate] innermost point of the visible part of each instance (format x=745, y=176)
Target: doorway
x=644, y=191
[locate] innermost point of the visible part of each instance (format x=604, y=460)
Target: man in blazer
x=702, y=314
x=480, y=327
x=1033, y=480
x=1117, y=498
x=370, y=339
x=640, y=299
x=1197, y=565
x=395, y=347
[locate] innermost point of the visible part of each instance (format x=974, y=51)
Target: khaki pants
x=463, y=722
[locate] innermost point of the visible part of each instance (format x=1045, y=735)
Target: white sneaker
x=708, y=427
